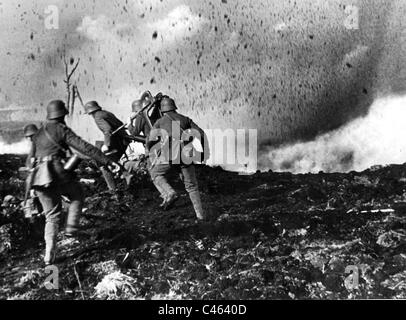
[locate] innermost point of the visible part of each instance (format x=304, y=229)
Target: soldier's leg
x=107, y=175
x=152, y=172
x=51, y=202
x=74, y=192
x=192, y=187
x=158, y=173
x=162, y=192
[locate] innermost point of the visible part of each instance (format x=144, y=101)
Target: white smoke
x=22, y=147
x=181, y=22
x=376, y=139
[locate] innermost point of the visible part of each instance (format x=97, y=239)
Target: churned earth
x=269, y=236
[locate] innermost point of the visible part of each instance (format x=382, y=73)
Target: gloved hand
x=114, y=167
x=104, y=148
x=133, y=115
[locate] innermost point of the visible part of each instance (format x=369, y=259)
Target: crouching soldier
x=50, y=147
x=175, y=134
x=115, y=145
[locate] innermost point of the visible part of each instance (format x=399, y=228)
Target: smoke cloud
x=376, y=139
x=22, y=147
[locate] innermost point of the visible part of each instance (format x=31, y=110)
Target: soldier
x=51, y=180
x=29, y=132
x=139, y=124
x=115, y=144
x=166, y=130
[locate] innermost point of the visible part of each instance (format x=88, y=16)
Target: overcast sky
x=289, y=68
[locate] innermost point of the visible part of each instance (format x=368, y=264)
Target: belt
x=48, y=158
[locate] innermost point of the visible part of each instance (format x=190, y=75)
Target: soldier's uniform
x=171, y=120
x=108, y=123
x=141, y=124
x=50, y=148
x=115, y=144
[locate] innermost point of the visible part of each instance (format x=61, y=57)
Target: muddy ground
x=269, y=236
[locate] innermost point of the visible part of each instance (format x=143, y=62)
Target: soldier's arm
x=138, y=126
x=106, y=128
x=84, y=147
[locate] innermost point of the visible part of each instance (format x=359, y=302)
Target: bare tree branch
x=70, y=100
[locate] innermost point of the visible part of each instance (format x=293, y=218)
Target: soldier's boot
x=109, y=178
x=170, y=194
x=197, y=205
x=51, y=231
x=170, y=201
x=162, y=193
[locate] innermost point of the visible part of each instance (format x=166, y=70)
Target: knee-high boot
x=51, y=232
x=168, y=193
x=197, y=204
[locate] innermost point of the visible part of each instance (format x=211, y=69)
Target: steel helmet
x=56, y=109
x=147, y=95
x=168, y=104
x=147, y=98
x=137, y=105
x=92, y=106
x=30, y=130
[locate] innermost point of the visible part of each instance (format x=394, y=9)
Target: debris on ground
x=268, y=236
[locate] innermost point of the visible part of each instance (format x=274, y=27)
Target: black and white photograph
x=219, y=152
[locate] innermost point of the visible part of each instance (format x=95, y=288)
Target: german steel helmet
x=168, y=104
x=30, y=130
x=56, y=109
x=92, y=106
